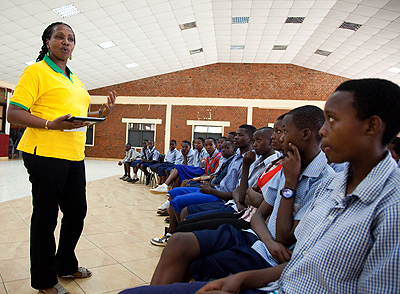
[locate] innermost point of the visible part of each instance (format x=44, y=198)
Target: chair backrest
x=161, y=158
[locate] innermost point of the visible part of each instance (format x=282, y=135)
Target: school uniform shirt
x=309, y=179
x=131, y=155
x=203, y=154
x=231, y=180
x=152, y=154
x=189, y=158
x=349, y=243
x=46, y=92
x=171, y=155
x=222, y=169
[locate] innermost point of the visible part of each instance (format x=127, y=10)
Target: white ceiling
x=147, y=32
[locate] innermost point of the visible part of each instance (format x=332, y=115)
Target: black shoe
x=123, y=177
x=130, y=180
x=148, y=178
x=134, y=180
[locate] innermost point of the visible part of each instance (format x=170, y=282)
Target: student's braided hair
x=46, y=36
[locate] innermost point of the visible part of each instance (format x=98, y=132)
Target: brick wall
x=222, y=80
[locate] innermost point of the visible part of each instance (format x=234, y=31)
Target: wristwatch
x=288, y=193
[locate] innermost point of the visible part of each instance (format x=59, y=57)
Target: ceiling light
x=195, y=51
x=350, y=26
x=237, y=47
x=66, y=11
x=130, y=65
x=30, y=62
x=106, y=45
x=240, y=19
x=280, y=47
x=394, y=69
x=189, y=25
x=322, y=52
x=294, y=19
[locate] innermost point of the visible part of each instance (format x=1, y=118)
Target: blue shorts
x=223, y=252
x=161, y=167
x=181, y=201
x=182, y=191
x=146, y=164
x=188, y=172
x=178, y=288
x=135, y=162
x=208, y=208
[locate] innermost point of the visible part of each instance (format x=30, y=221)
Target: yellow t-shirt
x=48, y=93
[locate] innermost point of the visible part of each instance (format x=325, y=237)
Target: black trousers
x=56, y=183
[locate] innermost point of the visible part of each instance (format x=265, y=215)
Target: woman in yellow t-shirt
x=47, y=94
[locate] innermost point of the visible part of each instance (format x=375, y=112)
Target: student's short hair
x=129, y=144
x=224, y=138
x=396, y=145
x=308, y=117
x=281, y=117
x=145, y=140
x=267, y=130
x=232, y=133
x=231, y=142
x=213, y=139
x=201, y=139
x=187, y=142
x=376, y=97
x=173, y=141
x=249, y=128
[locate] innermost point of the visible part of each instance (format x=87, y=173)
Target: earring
x=48, y=53
x=70, y=57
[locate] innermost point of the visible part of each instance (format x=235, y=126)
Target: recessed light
x=394, y=69
x=237, y=47
x=295, y=19
x=66, y=11
x=130, y=65
x=106, y=45
x=30, y=62
x=350, y=26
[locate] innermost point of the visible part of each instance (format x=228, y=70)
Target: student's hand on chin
x=292, y=164
x=230, y=284
x=249, y=157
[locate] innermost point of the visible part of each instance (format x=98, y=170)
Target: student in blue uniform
x=348, y=240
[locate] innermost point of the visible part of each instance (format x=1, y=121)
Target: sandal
x=60, y=289
x=162, y=213
x=85, y=273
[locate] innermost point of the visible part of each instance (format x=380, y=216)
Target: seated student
x=218, y=253
x=348, y=240
x=160, y=168
x=185, y=156
x=254, y=163
x=231, y=136
x=182, y=172
x=136, y=163
x=394, y=148
x=152, y=155
x=183, y=196
x=211, y=164
x=220, y=141
x=252, y=195
x=131, y=155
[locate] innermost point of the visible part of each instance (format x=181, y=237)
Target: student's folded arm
x=248, y=159
x=235, y=196
x=254, y=198
x=245, y=280
x=258, y=224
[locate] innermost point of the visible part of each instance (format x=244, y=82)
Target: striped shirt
x=349, y=243
x=171, y=155
x=309, y=180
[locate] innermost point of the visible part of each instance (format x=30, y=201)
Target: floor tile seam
x=132, y=272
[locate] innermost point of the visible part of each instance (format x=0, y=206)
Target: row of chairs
x=153, y=175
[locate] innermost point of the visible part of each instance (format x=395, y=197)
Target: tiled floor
x=115, y=242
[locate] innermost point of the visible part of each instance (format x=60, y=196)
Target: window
x=207, y=131
x=137, y=132
x=90, y=135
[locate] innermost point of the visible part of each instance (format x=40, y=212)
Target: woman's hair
x=46, y=36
